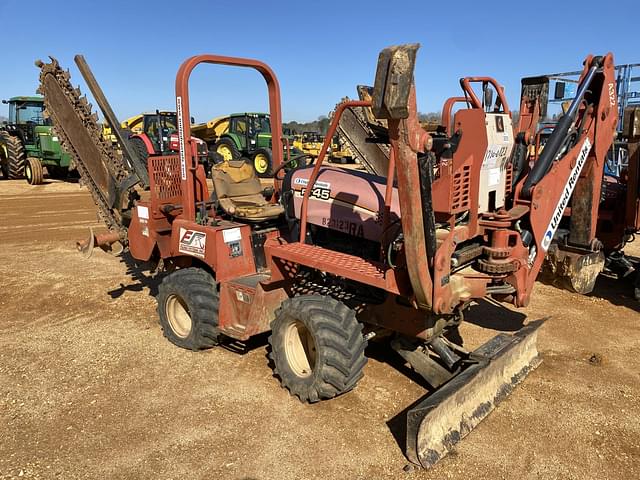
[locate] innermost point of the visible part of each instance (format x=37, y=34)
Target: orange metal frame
x=188, y=160
x=316, y=168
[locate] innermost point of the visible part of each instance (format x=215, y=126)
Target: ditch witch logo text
x=192, y=242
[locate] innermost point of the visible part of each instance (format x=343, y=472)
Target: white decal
x=496, y=155
x=231, y=235
x=143, y=212
x=243, y=297
x=303, y=182
x=192, y=242
x=319, y=193
x=612, y=94
x=494, y=177
x=566, y=195
x=183, y=157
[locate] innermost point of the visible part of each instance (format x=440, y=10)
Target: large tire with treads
x=188, y=304
x=317, y=347
x=33, y=171
x=227, y=149
x=16, y=158
x=140, y=149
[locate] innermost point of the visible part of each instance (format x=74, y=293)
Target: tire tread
x=339, y=342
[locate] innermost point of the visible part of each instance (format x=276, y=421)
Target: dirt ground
x=89, y=388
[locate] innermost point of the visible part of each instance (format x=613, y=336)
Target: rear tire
x=188, y=304
x=33, y=171
x=4, y=163
x=317, y=347
x=263, y=162
x=15, y=162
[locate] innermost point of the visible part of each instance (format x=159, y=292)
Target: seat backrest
x=235, y=178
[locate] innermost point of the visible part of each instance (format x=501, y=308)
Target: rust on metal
x=100, y=166
x=444, y=418
x=108, y=242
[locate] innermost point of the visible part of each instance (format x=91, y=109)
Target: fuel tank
x=345, y=200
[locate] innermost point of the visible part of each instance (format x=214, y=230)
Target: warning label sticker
x=231, y=235
x=192, y=242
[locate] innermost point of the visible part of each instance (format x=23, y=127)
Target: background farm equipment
x=157, y=134
x=340, y=151
x=309, y=143
x=245, y=135
x=27, y=143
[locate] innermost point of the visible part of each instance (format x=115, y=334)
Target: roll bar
x=187, y=158
x=466, y=82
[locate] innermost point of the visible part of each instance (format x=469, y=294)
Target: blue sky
x=319, y=50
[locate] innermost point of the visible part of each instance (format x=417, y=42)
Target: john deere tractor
x=27, y=143
x=244, y=135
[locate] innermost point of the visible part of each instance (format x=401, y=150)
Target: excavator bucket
x=443, y=418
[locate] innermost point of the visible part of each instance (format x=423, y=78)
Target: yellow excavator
x=309, y=142
x=340, y=151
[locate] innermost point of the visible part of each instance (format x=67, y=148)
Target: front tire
x=317, y=347
x=263, y=162
x=33, y=171
x=188, y=304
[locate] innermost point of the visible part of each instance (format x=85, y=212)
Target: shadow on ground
x=139, y=273
x=495, y=316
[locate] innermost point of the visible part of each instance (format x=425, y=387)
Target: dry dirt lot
x=89, y=388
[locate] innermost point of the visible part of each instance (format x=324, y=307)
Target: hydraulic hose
x=425, y=166
x=559, y=135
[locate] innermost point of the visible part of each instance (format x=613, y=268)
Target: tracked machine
x=330, y=259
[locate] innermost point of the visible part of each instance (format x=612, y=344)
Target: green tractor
x=27, y=143
x=244, y=135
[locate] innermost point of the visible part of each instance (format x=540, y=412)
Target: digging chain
x=345, y=135
x=111, y=157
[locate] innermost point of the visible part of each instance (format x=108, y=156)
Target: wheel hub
x=300, y=349
x=261, y=163
x=178, y=316
x=225, y=151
